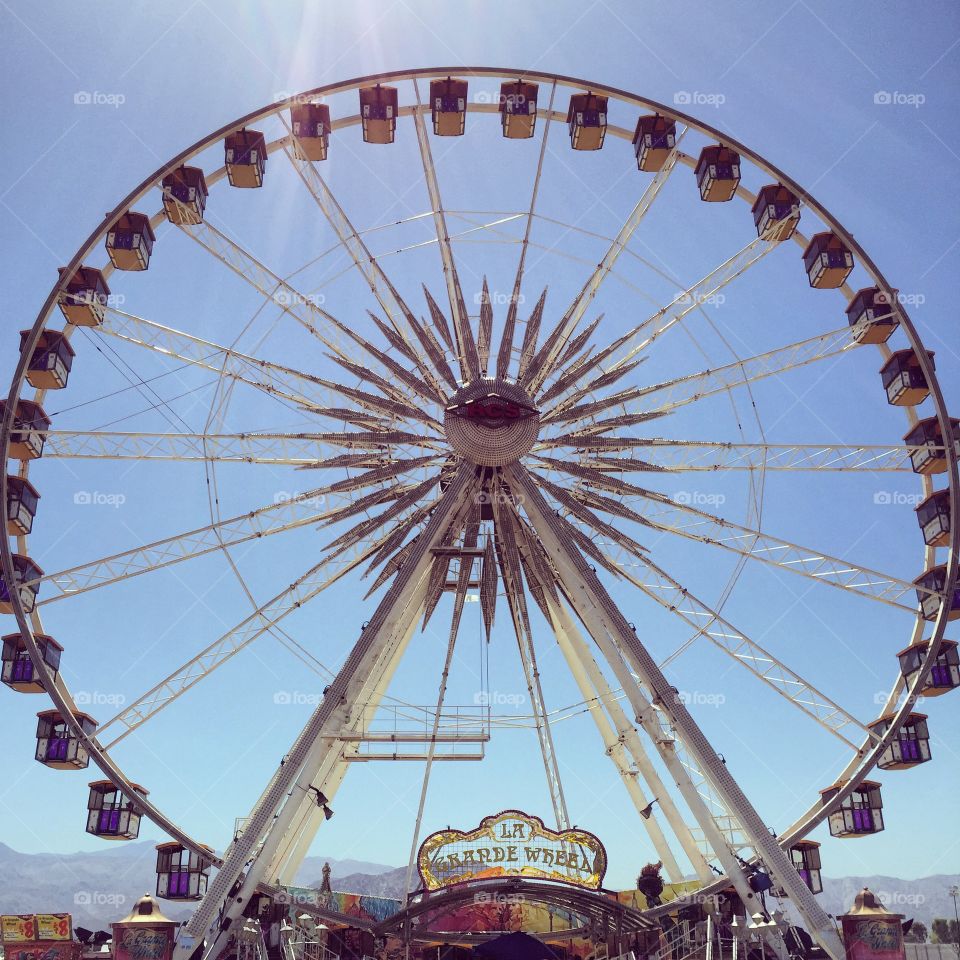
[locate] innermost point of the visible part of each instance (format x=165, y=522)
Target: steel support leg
x=234, y=884
x=587, y=593
x=622, y=744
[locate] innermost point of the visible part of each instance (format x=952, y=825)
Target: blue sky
x=798, y=82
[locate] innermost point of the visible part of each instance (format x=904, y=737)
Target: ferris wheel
x=480, y=436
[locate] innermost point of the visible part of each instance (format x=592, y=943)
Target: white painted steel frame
x=607, y=625
x=59, y=694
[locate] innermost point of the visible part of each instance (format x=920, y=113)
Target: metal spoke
x=392, y=304
x=657, y=584
x=625, y=748
x=330, y=774
x=665, y=397
x=506, y=341
x=273, y=814
x=609, y=631
x=301, y=306
x=508, y=554
x=303, y=389
x=298, y=305
x=756, y=545
x=304, y=449
x=298, y=511
x=466, y=347
x=695, y=295
x=626, y=347
x=263, y=619
x=364, y=261
x=696, y=455
x=663, y=513
x=578, y=308
x=607, y=624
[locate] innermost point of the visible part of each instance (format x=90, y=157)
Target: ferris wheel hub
x=492, y=422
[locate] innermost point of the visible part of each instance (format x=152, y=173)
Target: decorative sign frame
x=19, y=928
x=512, y=844
x=54, y=926
x=33, y=927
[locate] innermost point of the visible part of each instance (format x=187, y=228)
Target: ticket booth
x=870, y=932
x=144, y=934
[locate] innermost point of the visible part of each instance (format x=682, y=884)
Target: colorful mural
x=634, y=898
x=375, y=909
x=486, y=912
x=42, y=950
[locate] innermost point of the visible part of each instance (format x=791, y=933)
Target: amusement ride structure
x=497, y=448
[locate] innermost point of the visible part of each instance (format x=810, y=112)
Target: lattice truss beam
x=338, y=501
x=292, y=449
x=660, y=455
x=660, y=512
x=642, y=403
x=267, y=616
x=673, y=596
x=313, y=394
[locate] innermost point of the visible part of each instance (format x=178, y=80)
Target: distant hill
x=923, y=899
x=389, y=884
x=102, y=886
x=313, y=867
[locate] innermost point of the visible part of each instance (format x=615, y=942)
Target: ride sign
x=54, y=926
x=512, y=843
x=27, y=928
x=18, y=929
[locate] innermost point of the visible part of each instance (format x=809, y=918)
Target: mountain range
x=102, y=886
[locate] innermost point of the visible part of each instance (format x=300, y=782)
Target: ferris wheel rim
x=866, y=763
